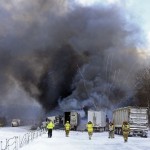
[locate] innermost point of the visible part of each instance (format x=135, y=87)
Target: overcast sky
x=139, y=9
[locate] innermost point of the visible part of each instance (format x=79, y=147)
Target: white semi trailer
x=137, y=117
x=98, y=118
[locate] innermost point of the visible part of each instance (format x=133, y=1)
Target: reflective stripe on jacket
x=89, y=127
x=67, y=126
x=50, y=125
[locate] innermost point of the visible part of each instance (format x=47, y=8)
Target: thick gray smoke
x=67, y=57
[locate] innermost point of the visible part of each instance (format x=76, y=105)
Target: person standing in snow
x=111, y=130
x=89, y=127
x=67, y=128
x=50, y=127
x=126, y=130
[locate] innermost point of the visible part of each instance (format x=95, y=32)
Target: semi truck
x=137, y=117
x=73, y=118
x=98, y=118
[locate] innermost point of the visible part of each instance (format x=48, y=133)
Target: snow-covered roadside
x=9, y=132
x=13, y=138
x=77, y=141
x=80, y=141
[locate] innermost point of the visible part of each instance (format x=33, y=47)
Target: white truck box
x=137, y=117
x=98, y=118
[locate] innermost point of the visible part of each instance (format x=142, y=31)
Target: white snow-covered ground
x=8, y=132
x=78, y=141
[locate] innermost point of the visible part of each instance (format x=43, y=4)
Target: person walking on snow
x=89, y=127
x=50, y=127
x=111, y=130
x=126, y=130
x=67, y=128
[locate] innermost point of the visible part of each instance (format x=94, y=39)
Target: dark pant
x=67, y=132
x=50, y=133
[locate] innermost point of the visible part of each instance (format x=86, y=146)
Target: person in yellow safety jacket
x=111, y=130
x=67, y=128
x=125, y=130
x=89, y=127
x=50, y=127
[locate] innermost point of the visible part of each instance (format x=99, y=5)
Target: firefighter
x=67, y=128
x=111, y=130
x=126, y=130
x=50, y=127
x=89, y=127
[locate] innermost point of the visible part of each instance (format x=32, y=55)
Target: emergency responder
x=89, y=127
x=67, y=128
x=111, y=130
x=125, y=130
x=50, y=127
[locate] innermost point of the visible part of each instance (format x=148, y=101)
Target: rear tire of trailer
x=120, y=131
x=115, y=130
x=144, y=136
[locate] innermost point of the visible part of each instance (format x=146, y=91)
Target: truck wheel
x=117, y=131
x=120, y=131
x=144, y=136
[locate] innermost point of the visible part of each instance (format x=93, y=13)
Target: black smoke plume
x=66, y=56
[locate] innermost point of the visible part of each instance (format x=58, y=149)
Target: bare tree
x=143, y=87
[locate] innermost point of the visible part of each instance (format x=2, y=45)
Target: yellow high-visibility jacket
x=125, y=128
x=111, y=127
x=67, y=126
x=89, y=127
x=50, y=125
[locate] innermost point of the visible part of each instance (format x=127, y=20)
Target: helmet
x=125, y=122
x=67, y=121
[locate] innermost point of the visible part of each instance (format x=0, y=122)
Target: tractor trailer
x=137, y=117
